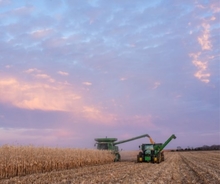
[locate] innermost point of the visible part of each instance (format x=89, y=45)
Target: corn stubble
x=179, y=167
x=25, y=160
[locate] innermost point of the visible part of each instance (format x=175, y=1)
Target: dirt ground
x=179, y=167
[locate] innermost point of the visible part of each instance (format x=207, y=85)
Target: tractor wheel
x=159, y=158
x=162, y=156
x=117, y=157
x=140, y=157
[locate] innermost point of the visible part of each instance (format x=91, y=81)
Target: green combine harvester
x=110, y=144
x=153, y=152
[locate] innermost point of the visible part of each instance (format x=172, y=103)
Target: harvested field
x=179, y=167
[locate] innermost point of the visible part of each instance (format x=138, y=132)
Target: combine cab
x=153, y=152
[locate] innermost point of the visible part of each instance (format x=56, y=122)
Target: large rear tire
x=162, y=156
x=159, y=158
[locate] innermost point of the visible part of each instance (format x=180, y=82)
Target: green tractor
x=110, y=144
x=153, y=152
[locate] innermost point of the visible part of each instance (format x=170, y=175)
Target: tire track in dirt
x=205, y=175
x=213, y=154
x=207, y=156
x=175, y=171
x=209, y=162
x=188, y=174
x=199, y=176
x=114, y=174
x=173, y=174
x=132, y=174
x=163, y=167
x=206, y=161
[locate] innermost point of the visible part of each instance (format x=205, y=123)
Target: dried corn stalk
x=23, y=160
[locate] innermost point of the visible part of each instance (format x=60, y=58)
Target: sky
x=72, y=71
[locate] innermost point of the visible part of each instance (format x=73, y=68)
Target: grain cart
x=153, y=152
x=110, y=144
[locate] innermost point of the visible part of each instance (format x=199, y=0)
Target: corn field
x=77, y=166
x=25, y=160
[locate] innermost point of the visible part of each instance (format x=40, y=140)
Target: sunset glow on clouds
x=201, y=60
x=48, y=97
x=71, y=71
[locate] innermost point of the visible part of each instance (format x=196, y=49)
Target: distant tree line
x=203, y=148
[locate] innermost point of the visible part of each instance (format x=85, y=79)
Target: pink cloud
x=55, y=96
x=41, y=33
x=63, y=73
x=215, y=7
x=200, y=58
x=204, y=38
x=36, y=95
x=24, y=10
x=38, y=137
x=94, y=114
x=87, y=83
x=156, y=85
x=45, y=76
x=123, y=79
x=38, y=74
x=8, y=66
x=201, y=74
x=31, y=70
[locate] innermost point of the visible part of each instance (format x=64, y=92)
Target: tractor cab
x=147, y=148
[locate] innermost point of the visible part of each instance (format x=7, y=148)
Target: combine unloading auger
x=110, y=144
